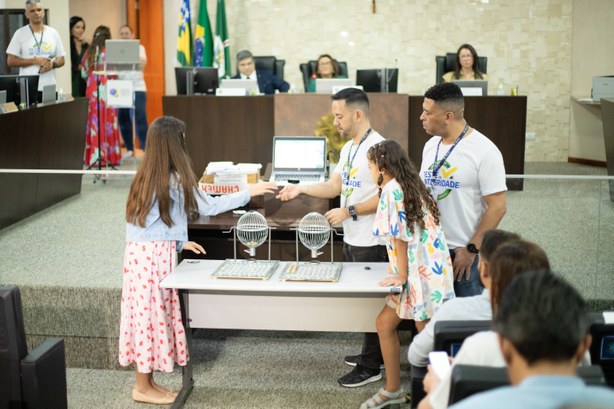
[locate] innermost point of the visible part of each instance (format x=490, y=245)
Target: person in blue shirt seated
x=326, y=67
x=267, y=81
x=541, y=322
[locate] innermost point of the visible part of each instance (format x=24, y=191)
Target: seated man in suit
x=541, y=323
x=267, y=81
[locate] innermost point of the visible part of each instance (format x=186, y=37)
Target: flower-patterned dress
x=430, y=274
x=152, y=334
x=108, y=124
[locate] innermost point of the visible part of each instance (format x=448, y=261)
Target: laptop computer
x=327, y=85
x=473, y=88
x=250, y=86
x=298, y=159
x=122, y=54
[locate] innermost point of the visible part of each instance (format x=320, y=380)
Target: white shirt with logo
x=474, y=169
x=358, y=186
x=24, y=44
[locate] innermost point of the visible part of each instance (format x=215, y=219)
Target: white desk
x=349, y=305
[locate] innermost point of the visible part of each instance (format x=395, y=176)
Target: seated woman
x=466, y=66
x=326, y=67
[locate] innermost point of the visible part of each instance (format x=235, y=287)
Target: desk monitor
x=205, y=80
x=250, y=86
x=327, y=85
x=13, y=85
x=473, y=88
x=378, y=80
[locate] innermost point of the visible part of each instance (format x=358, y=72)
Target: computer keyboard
x=296, y=178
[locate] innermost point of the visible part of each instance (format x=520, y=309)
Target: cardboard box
x=225, y=183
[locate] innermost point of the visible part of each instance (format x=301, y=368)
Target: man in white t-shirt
x=36, y=48
x=466, y=175
x=359, y=197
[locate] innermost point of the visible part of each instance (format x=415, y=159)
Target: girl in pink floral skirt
x=163, y=196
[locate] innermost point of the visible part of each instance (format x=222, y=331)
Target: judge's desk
x=241, y=129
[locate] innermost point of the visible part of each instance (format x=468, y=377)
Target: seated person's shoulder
x=448, y=76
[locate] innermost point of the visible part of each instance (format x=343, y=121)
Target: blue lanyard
x=438, y=165
x=350, y=150
x=38, y=43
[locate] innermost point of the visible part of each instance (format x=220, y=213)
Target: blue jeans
x=125, y=116
x=471, y=286
x=371, y=354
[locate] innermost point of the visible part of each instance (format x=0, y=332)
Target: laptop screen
x=299, y=153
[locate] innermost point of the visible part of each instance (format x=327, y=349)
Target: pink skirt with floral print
x=151, y=331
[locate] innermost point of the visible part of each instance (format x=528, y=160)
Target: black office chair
x=467, y=380
x=35, y=379
x=309, y=68
x=446, y=63
x=602, y=349
x=448, y=336
x=270, y=63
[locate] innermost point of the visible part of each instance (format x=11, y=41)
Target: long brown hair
x=101, y=34
x=510, y=260
x=476, y=66
x=388, y=155
x=166, y=162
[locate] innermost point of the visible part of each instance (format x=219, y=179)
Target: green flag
x=203, y=37
x=184, y=37
x=221, y=57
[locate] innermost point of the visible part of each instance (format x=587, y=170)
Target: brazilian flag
x=184, y=38
x=203, y=37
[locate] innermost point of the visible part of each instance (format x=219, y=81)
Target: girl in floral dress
x=162, y=197
x=408, y=219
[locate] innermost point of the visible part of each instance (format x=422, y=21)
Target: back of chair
x=447, y=63
x=309, y=68
x=12, y=346
x=467, y=380
x=602, y=349
x=270, y=63
x=449, y=335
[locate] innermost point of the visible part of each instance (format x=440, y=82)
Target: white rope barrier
x=110, y=172
x=71, y=171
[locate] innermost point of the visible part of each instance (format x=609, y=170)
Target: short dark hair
x=493, y=239
x=243, y=54
x=353, y=97
x=449, y=96
x=543, y=316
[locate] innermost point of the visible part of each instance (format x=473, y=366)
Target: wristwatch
x=352, y=212
x=472, y=248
